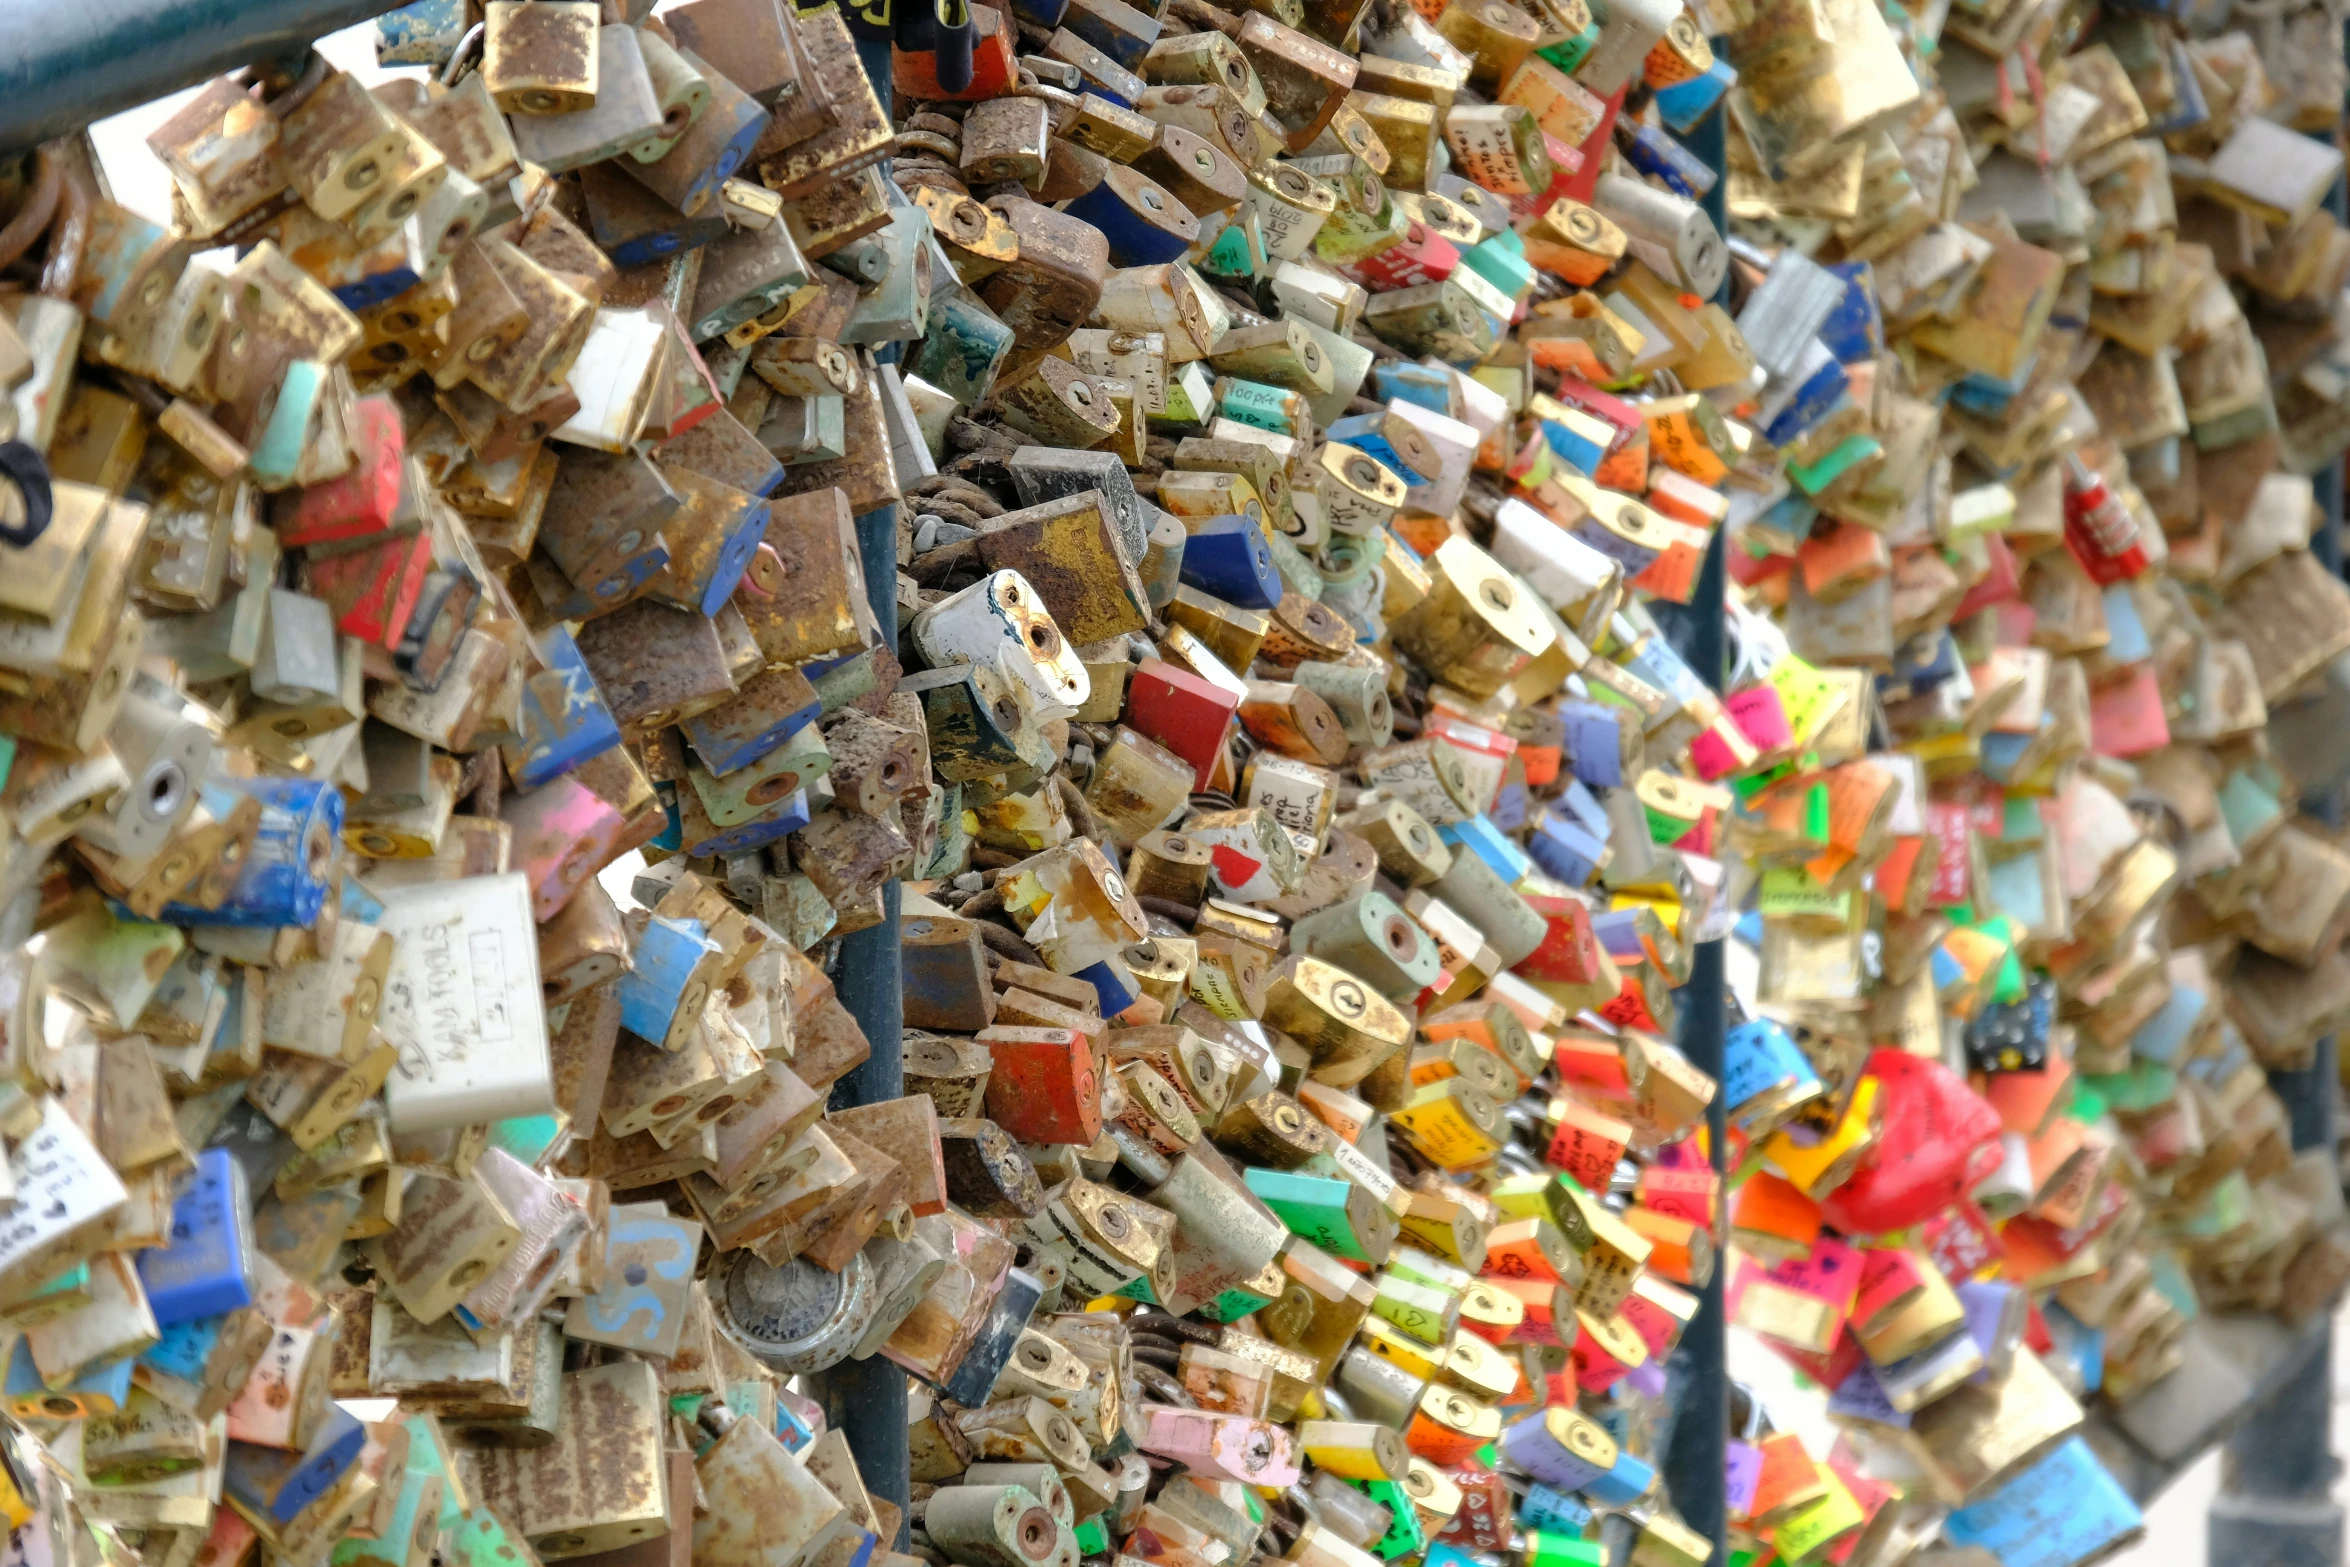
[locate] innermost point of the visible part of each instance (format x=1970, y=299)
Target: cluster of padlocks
x=461, y=695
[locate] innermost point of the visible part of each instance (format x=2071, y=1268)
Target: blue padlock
x=745, y=529
x=1594, y=742
x=1684, y=104
x=1144, y=223
x=1113, y=983
x=1581, y=444
x=1425, y=385
x=206, y=1268
x=1661, y=665
x=279, y=1483
x=1501, y=261
x=1510, y=801
x=726, y=744
x=1548, y=1508
x=358, y=905
x=2003, y=757
x=565, y=599
x=1227, y=557
x=1480, y=835
x=1823, y=386
x=1652, y=150
x=1618, y=933
x=277, y=450
x=965, y=345
x=1119, y=32
x=372, y=289
x=1854, y=330
x=688, y=175
x=796, y=1434
x=1990, y=396
x=564, y=718
x=1625, y=1484
x=634, y=226
x=1760, y=1055
x=787, y=818
x=672, y=836
x=93, y=1391
x=1564, y=848
x=185, y=1349
x=285, y=876
x=1366, y=433
x=1577, y=803
x=667, y=953
x=425, y=33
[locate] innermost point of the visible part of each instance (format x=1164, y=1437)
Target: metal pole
x=2275, y=1508
x=1696, y=1457
x=1697, y=1454
x=2275, y=1505
x=64, y=66
x=866, y=1399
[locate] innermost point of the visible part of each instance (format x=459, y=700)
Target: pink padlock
x=1229, y=1447
x=563, y=833
x=270, y=1410
x=1889, y=1276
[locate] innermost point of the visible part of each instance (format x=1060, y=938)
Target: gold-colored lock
x=1346, y=1026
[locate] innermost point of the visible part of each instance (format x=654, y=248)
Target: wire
x=32, y=218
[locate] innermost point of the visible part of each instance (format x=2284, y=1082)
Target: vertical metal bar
x=2276, y=1480
x=2328, y=481
x=1708, y=142
x=1697, y=1453
x=866, y=1399
x=1696, y=1457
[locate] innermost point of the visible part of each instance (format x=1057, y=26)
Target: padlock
x=206, y=1270
x=273, y=1485
x=337, y=146
x=603, y=1481
x=451, y=1235
x=1041, y=1087
x=1346, y=1027
x=538, y=63
x=621, y=113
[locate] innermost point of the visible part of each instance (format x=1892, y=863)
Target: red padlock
x=362, y=502
x=1566, y=162
x=1569, y=954
x=1586, y=1143
x=1042, y=1088
x=992, y=68
x=1606, y=1350
x=1594, y=151
x=1186, y=714
x=1482, y=1522
x=1548, y=1303
x=1963, y=1243
x=1421, y=256
x=373, y=590
x=1945, y=1139
x=1683, y=1194
x=2098, y=528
